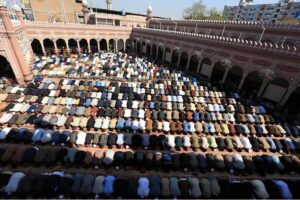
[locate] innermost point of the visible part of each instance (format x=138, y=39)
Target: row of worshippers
x=153, y=141
x=139, y=112
x=149, y=125
x=140, y=159
x=61, y=185
x=103, y=66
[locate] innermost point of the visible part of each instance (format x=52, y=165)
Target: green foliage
x=199, y=11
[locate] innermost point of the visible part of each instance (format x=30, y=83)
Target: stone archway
x=184, y=58
x=49, y=46
x=175, y=57
x=121, y=45
x=194, y=62
x=144, y=50
x=111, y=45
x=275, y=90
x=36, y=47
x=217, y=73
x=292, y=106
x=148, y=49
x=154, y=51
x=103, y=45
x=94, y=45
x=73, y=45
x=160, y=54
x=129, y=45
x=252, y=84
x=5, y=69
x=84, y=45
x=234, y=78
x=138, y=48
x=205, y=68
x=167, y=58
x=61, y=45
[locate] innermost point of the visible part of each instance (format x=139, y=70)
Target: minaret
x=108, y=4
x=149, y=15
x=85, y=11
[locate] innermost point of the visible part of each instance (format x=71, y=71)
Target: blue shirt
x=284, y=190
x=108, y=185
x=38, y=135
x=31, y=109
x=88, y=102
x=196, y=116
x=69, y=101
x=120, y=123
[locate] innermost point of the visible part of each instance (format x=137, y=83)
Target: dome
x=84, y=3
x=16, y=7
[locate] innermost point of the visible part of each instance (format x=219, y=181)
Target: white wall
x=274, y=92
x=206, y=70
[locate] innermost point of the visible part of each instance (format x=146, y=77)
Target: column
x=156, y=52
x=68, y=48
x=55, y=46
x=178, y=61
x=262, y=87
x=242, y=81
x=116, y=46
x=198, y=67
x=98, y=45
x=78, y=45
x=188, y=64
x=225, y=75
x=89, y=46
x=43, y=47
x=164, y=54
x=15, y=46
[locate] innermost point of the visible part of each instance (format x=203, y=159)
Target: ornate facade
x=217, y=55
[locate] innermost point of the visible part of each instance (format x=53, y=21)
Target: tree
x=196, y=11
x=213, y=13
x=199, y=11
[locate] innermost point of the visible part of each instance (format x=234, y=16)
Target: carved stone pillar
x=262, y=87
x=15, y=46
x=242, y=81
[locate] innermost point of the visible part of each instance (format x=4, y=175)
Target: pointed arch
x=36, y=47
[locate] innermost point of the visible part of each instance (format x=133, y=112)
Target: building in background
x=68, y=11
x=287, y=11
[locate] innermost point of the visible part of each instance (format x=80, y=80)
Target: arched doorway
x=139, y=48
x=49, y=46
x=205, y=68
x=6, y=70
x=251, y=84
x=167, y=58
x=183, y=61
x=144, y=50
x=234, y=78
x=73, y=45
x=292, y=107
x=160, y=54
x=193, y=64
x=94, y=45
x=61, y=45
x=103, y=45
x=148, y=50
x=84, y=45
x=275, y=91
x=36, y=47
x=154, y=51
x=175, y=57
x=121, y=45
x=217, y=73
x=129, y=46
x=111, y=45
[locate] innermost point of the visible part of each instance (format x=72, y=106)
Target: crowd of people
x=117, y=111
x=58, y=184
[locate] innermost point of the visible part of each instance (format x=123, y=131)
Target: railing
x=237, y=42
x=74, y=25
x=230, y=22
